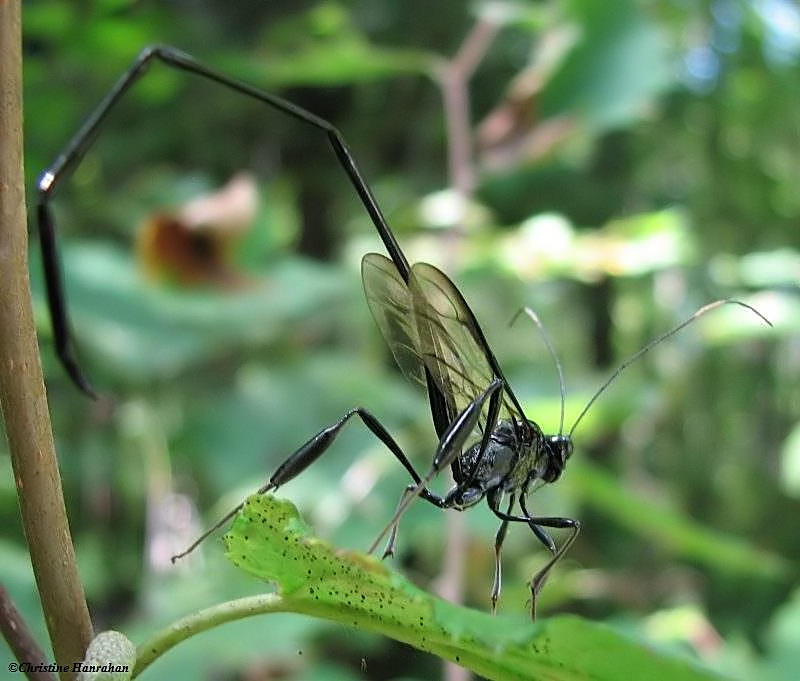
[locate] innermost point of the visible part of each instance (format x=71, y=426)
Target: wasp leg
x=315, y=447
x=499, y=538
x=450, y=446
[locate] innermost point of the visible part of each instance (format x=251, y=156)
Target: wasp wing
x=452, y=343
x=389, y=300
x=434, y=337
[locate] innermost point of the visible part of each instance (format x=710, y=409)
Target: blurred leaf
x=783, y=641
x=324, y=47
x=671, y=527
x=548, y=245
x=49, y=20
x=270, y=541
x=348, y=63
x=766, y=269
x=790, y=463
x=142, y=331
x=621, y=63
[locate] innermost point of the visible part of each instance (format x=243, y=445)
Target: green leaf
x=270, y=541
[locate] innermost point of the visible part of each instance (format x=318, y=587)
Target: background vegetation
x=631, y=161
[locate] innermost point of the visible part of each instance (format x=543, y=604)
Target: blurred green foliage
x=649, y=168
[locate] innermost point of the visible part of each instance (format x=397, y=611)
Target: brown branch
x=22, y=396
x=454, y=79
x=20, y=639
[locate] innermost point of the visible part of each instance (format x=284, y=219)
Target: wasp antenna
x=551, y=349
x=664, y=336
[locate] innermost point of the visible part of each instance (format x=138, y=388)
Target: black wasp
x=434, y=336
x=429, y=328
x=436, y=340
x=432, y=332
x=428, y=325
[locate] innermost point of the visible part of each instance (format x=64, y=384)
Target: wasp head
x=559, y=449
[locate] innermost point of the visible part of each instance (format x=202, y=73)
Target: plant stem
x=22, y=395
x=208, y=618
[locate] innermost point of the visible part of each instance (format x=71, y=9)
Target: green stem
x=208, y=618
